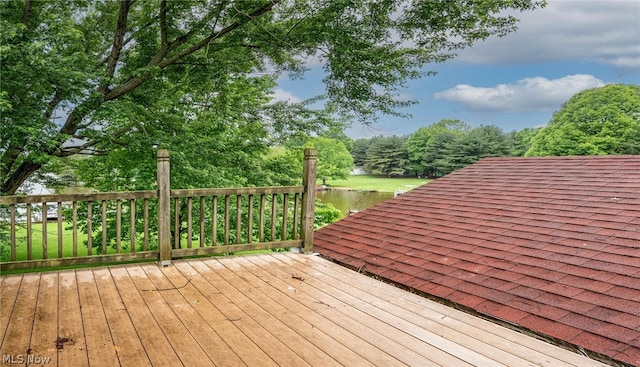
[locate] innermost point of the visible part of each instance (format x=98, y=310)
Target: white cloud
x=605, y=31
x=529, y=94
x=281, y=95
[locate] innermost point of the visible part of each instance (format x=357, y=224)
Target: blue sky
x=519, y=80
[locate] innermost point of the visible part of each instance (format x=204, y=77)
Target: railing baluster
x=146, y=224
x=45, y=255
x=12, y=219
x=59, y=230
x=104, y=227
x=226, y=219
x=250, y=220
x=75, y=228
x=176, y=223
x=261, y=230
x=238, y=219
x=201, y=221
x=285, y=215
x=29, y=234
x=273, y=216
x=214, y=221
x=132, y=226
x=296, y=208
x=118, y=224
x=189, y=221
x=89, y=227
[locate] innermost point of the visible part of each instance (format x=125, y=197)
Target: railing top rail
x=237, y=191
x=97, y=196
x=146, y=194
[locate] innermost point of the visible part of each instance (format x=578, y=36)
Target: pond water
x=345, y=200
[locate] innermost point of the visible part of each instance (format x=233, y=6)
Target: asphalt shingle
x=550, y=244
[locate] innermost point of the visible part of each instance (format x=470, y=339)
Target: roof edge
x=504, y=323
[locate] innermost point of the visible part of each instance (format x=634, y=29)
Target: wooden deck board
x=70, y=328
x=233, y=336
x=275, y=309
x=45, y=326
x=156, y=346
x=203, y=332
x=382, y=337
x=17, y=338
x=464, y=342
x=9, y=287
x=272, y=323
x=534, y=350
x=237, y=311
x=99, y=343
x=126, y=343
x=407, y=335
x=282, y=310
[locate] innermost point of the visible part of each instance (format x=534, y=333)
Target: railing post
x=308, y=198
x=164, y=212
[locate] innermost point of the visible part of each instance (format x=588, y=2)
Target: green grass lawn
x=67, y=246
x=52, y=242
x=378, y=183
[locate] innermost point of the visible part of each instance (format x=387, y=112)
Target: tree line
x=438, y=149
x=597, y=121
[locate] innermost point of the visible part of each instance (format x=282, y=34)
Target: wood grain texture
x=278, y=309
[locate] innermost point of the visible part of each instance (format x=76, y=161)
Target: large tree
x=334, y=160
x=596, y=121
x=80, y=76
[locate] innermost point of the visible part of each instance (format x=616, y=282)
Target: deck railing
x=165, y=224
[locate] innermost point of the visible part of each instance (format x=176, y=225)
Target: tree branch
x=52, y=105
x=81, y=149
x=264, y=9
x=26, y=14
x=185, y=37
x=12, y=183
x=134, y=82
x=121, y=29
x=163, y=23
x=124, y=43
x=10, y=157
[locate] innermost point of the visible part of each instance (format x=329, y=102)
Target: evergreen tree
x=387, y=156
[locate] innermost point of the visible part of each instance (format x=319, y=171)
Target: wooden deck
x=267, y=310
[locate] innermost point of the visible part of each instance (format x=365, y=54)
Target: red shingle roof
x=549, y=244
